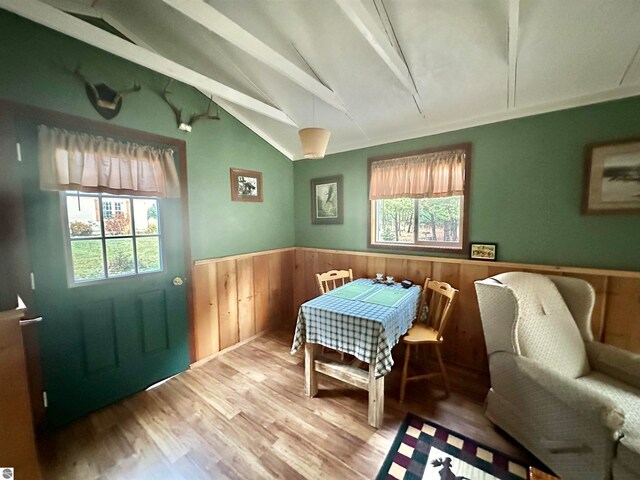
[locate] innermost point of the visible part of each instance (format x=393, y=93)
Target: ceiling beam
x=76, y=8
x=514, y=25
x=358, y=14
x=229, y=107
x=51, y=17
x=234, y=112
x=214, y=21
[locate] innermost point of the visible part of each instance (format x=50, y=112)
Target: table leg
x=310, y=376
x=376, y=398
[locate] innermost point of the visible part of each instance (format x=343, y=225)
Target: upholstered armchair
x=571, y=401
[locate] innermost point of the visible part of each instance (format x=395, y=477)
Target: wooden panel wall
x=616, y=318
x=236, y=298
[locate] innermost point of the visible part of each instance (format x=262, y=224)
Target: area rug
x=426, y=450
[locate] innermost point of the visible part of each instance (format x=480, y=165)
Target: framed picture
x=483, y=251
x=612, y=178
x=326, y=200
x=246, y=185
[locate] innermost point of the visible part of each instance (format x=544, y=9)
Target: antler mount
x=187, y=126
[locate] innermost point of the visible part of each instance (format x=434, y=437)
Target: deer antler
x=87, y=83
x=177, y=111
x=122, y=93
x=206, y=115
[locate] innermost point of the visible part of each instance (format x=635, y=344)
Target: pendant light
x=314, y=140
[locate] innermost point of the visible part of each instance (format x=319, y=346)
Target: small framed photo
x=483, y=251
x=326, y=200
x=246, y=185
x=612, y=178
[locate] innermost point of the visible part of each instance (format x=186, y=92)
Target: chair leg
x=443, y=370
x=403, y=382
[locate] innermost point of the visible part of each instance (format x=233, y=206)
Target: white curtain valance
x=437, y=174
x=88, y=163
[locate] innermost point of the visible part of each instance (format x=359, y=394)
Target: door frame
x=16, y=110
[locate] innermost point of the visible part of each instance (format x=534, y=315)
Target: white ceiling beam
x=514, y=25
x=214, y=21
x=253, y=127
x=230, y=108
x=75, y=7
x=51, y=17
x=358, y=14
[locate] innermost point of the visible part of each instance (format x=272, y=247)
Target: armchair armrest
x=615, y=362
x=547, y=394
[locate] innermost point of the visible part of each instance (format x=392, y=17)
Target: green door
x=108, y=277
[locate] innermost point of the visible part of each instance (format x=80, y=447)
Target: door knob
x=177, y=281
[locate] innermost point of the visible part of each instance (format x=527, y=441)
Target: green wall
x=37, y=65
x=526, y=178
x=526, y=189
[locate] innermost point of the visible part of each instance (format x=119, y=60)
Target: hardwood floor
x=244, y=415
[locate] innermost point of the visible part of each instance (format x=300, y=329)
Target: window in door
x=111, y=236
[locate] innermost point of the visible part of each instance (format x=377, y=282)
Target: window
x=111, y=236
x=420, y=200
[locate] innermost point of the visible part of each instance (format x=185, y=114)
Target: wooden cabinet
x=17, y=440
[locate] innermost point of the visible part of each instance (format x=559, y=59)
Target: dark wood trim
x=69, y=121
x=234, y=173
x=588, y=163
x=467, y=147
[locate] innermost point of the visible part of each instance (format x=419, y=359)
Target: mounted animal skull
x=187, y=126
x=105, y=99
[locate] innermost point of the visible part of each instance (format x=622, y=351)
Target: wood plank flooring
x=244, y=415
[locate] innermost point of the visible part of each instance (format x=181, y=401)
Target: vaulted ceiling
x=371, y=71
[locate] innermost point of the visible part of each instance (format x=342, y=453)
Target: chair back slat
x=440, y=298
x=328, y=281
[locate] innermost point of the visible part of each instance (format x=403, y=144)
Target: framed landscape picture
x=246, y=185
x=483, y=251
x=326, y=200
x=612, y=178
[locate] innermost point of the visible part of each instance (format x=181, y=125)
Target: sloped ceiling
x=375, y=71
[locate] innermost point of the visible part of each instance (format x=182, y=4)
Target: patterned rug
x=426, y=450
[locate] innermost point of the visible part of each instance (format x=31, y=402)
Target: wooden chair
x=333, y=279
x=440, y=297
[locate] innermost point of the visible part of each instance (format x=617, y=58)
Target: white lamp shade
x=314, y=141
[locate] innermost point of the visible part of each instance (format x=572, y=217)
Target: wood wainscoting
x=238, y=297
x=616, y=316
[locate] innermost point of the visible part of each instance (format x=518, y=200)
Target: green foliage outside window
x=438, y=220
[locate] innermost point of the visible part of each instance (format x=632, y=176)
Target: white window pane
x=439, y=219
x=149, y=258
x=145, y=214
x=118, y=222
x=83, y=214
x=120, y=257
x=88, y=262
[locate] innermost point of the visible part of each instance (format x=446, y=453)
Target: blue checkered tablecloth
x=367, y=331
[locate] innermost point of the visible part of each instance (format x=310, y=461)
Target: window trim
x=371, y=233
x=71, y=282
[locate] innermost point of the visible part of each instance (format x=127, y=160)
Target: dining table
x=365, y=318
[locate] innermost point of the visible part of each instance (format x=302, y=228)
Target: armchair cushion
x=545, y=329
x=619, y=364
x=578, y=396
x=621, y=394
